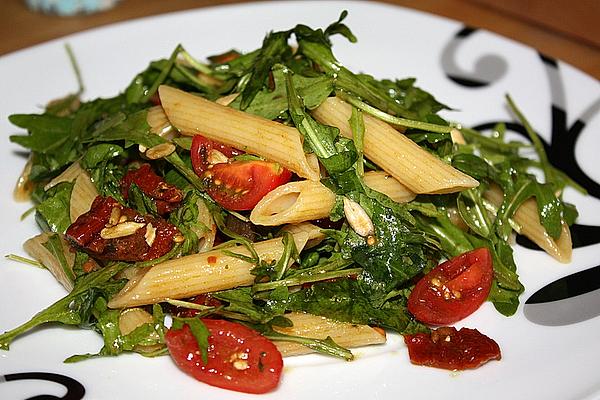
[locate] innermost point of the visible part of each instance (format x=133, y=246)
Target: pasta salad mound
x=259, y=205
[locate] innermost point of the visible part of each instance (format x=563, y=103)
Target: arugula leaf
x=55, y=246
x=335, y=153
x=46, y=132
x=272, y=104
x=274, y=50
x=343, y=300
x=53, y=213
x=76, y=307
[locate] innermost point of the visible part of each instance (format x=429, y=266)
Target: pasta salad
x=275, y=203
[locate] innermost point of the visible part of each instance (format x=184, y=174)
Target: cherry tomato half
x=200, y=151
x=239, y=358
x=454, y=289
x=448, y=348
x=235, y=185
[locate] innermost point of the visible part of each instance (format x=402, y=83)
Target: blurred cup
x=70, y=7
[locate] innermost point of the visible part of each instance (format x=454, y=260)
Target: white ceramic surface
x=538, y=361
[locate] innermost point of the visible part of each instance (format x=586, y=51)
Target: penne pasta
x=528, y=219
x=159, y=123
x=312, y=326
x=315, y=234
x=292, y=203
x=414, y=167
x=206, y=236
x=383, y=182
x=36, y=249
x=82, y=196
x=84, y=191
x=198, y=273
x=132, y=318
x=24, y=187
x=276, y=142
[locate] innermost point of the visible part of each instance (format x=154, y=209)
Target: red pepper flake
x=212, y=259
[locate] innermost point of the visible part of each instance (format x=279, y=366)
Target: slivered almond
x=358, y=218
x=160, y=151
x=457, y=137
x=150, y=234
x=121, y=230
x=115, y=215
x=216, y=157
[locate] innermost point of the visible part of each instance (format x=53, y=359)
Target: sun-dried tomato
x=451, y=349
x=166, y=196
x=91, y=232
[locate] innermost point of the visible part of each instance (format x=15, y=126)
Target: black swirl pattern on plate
x=487, y=70
x=561, y=148
x=75, y=390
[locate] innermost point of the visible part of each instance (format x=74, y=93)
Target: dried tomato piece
x=204, y=299
x=110, y=231
x=166, y=196
x=448, y=348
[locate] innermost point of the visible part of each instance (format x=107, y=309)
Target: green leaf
x=343, y=300
x=274, y=50
x=75, y=308
x=54, y=210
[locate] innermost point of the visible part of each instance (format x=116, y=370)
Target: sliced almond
x=216, y=157
x=121, y=230
x=358, y=218
x=160, y=151
x=150, y=234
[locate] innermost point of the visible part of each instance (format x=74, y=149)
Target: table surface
x=563, y=29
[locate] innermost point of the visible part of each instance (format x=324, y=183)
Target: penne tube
x=206, y=236
x=132, y=318
x=292, y=203
x=315, y=233
x=159, y=123
x=256, y=135
x=528, y=219
x=82, y=196
x=84, y=191
x=414, y=167
x=312, y=326
x=383, y=182
x=24, y=187
x=198, y=273
x=36, y=249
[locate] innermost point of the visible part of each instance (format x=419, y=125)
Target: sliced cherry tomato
x=95, y=233
x=240, y=185
x=235, y=185
x=239, y=358
x=200, y=152
x=448, y=348
x=166, y=196
x=454, y=289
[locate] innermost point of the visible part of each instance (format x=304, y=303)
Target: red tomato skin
x=448, y=348
x=235, y=185
x=454, y=289
x=202, y=146
x=240, y=185
x=228, y=342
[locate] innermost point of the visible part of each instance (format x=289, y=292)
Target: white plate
x=538, y=362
